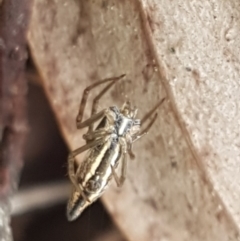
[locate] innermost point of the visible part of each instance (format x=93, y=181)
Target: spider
x=107, y=144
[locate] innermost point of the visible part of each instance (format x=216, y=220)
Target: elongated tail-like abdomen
x=94, y=174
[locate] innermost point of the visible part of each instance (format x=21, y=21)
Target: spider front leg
x=101, y=94
x=150, y=124
x=150, y=113
x=95, y=102
x=93, y=119
x=145, y=130
x=101, y=132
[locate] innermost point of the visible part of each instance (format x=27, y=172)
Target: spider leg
x=124, y=169
x=135, y=111
x=101, y=132
x=100, y=95
x=130, y=152
x=129, y=149
x=79, y=188
x=138, y=137
x=103, y=140
x=71, y=169
x=150, y=113
x=120, y=181
x=146, y=129
x=85, y=96
x=104, y=113
x=93, y=119
x=71, y=160
x=150, y=124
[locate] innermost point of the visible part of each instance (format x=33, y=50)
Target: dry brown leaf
x=184, y=184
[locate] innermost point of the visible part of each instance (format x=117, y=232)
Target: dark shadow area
x=45, y=162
